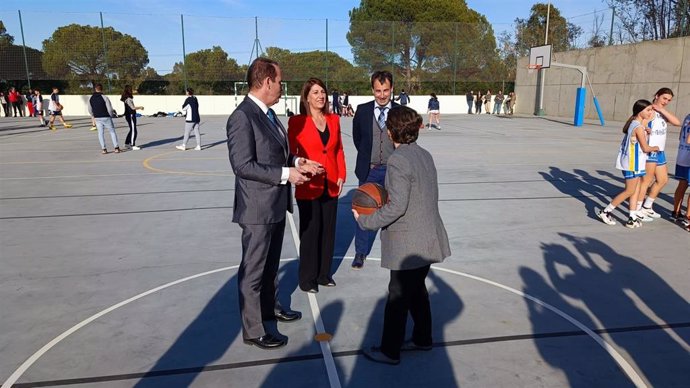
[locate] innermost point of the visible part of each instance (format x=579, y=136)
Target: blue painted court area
x=120, y=270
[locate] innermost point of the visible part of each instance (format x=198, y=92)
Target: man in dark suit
x=264, y=170
x=373, y=149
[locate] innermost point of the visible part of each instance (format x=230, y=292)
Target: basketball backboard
x=540, y=56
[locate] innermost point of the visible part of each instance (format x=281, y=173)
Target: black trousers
x=257, y=277
x=317, y=220
x=132, y=134
x=406, y=293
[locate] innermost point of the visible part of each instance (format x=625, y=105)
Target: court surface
x=120, y=270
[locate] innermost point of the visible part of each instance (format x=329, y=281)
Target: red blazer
x=305, y=141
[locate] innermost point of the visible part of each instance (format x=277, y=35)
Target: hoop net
x=532, y=68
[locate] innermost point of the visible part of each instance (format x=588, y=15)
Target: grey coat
x=413, y=234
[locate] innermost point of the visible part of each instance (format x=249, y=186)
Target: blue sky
x=297, y=25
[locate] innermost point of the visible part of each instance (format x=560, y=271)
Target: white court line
x=331, y=369
x=40, y=352
x=622, y=363
x=620, y=360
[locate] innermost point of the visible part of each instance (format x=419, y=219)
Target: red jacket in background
x=305, y=141
x=14, y=96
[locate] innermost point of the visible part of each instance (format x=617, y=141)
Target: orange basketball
x=369, y=197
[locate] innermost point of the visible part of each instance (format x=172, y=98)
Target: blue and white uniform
x=657, y=137
x=631, y=159
x=683, y=159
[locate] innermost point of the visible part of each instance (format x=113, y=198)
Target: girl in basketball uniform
x=631, y=160
x=656, y=169
x=683, y=175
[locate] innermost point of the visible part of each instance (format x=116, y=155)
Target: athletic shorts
x=56, y=113
x=434, y=111
x=657, y=157
x=683, y=172
x=632, y=174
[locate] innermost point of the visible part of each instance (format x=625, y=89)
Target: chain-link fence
x=165, y=53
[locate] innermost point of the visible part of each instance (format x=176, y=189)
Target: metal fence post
x=184, y=54
x=105, y=55
x=26, y=62
x=327, y=63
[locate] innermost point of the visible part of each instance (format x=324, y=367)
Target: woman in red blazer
x=315, y=134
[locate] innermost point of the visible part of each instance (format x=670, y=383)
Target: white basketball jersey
x=658, y=135
x=630, y=155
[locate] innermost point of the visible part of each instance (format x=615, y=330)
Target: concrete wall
x=76, y=105
x=620, y=75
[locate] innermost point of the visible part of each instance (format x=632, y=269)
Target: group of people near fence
x=642, y=161
x=13, y=104
x=492, y=104
x=268, y=159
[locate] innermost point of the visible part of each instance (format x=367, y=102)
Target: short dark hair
x=382, y=76
x=259, y=70
x=98, y=87
x=190, y=91
x=403, y=123
x=303, y=106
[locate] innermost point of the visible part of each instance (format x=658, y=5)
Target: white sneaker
x=643, y=217
x=181, y=147
x=606, y=217
x=135, y=148
x=633, y=223
x=650, y=212
x=197, y=148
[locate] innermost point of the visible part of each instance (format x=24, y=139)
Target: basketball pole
x=542, y=72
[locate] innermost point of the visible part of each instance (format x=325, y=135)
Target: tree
x=652, y=19
x=598, y=38
x=530, y=32
x=76, y=52
x=330, y=67
x=208, y=71
x=5, y=38
x=420, y=43
x=151, y=82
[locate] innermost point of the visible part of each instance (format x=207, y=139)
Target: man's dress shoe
x=287, y=316
x=267, y=341
x=374, y=354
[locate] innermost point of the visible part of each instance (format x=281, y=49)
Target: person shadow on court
x=593, y=192
x=203, y=341
x=623, y=295
x=417, y=368
x=308, y=368
x=344, y=230
x=562, y=345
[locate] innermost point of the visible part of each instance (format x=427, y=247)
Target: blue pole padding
x=601, y=115
x=580, y=107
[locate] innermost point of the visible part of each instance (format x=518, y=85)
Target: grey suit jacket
x=257, y=154
x=413, y=234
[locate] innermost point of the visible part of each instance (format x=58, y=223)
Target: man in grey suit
x=373, y=148
x=264, y=170
x=413, y=237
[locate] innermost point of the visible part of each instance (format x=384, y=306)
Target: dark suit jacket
x=257, y=155
x=362, y=132
x=305, y=141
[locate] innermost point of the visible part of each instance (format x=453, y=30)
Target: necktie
x=272, y=116
x=382, y=116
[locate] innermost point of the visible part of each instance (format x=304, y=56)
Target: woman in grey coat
x=413, y=237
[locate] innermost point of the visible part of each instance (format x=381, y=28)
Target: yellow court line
x=147, y=165
x=71, y=161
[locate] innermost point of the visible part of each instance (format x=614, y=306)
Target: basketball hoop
x=532, y=68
